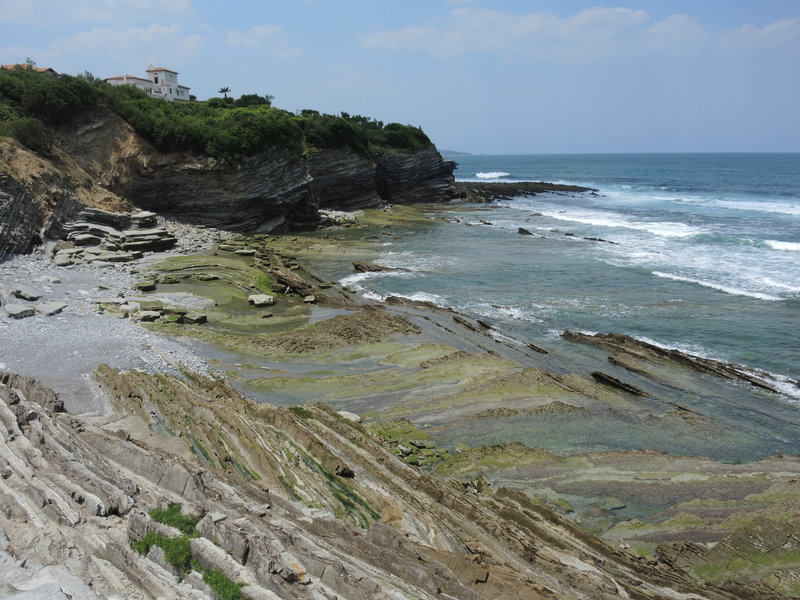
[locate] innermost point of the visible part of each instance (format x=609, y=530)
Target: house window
x=155, y=79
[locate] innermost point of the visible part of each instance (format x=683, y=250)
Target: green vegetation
x=173, y=517
x=222, y=586
x=301, y=412
x=177, y=551
x=359, y=511
x=32, y=104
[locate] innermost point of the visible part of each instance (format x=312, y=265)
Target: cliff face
x=264, y=193
x=101, y=161
x=38, y=195
x=342, y=179
x=419, y=177
x=261, y=194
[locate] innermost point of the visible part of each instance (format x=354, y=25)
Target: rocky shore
x=307, y=501
x=479, y=191
x=188, y=412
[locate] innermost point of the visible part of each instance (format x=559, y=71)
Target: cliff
x=37, y=195
x=101, y=161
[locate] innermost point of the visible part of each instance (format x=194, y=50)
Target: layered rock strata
x=76, y=495
x=267, y=192
x=101, y=235
x=422, y=176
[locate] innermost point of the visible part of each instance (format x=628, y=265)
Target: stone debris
x=25, y=293
x=261, y=299
x=350, y=416
x=19, y=311
x=49, y=309
x=103, y=236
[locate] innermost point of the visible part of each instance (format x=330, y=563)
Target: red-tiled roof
x=29, y=67
x=128, y=78
x=161, y=69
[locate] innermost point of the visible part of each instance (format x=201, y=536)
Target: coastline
x=415, y=372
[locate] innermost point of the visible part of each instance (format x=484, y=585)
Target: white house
x=160, y=83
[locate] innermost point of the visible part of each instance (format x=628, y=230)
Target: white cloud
x=270, y=37
x=16, y=11
x=55, y=13
x=783, y=35
x=130, y=49
x=591, y=35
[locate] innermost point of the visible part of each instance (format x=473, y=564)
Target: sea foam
x=492, y=175
x=718, y=286
x=777, y=245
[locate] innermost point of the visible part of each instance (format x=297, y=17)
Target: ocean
x=699, y=252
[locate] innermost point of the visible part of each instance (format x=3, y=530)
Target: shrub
x=225, y=129
x=34, y=134
x=327, y=131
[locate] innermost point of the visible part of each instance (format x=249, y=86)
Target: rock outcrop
x=100, y=160
x=31, y=208
x=77, y=497
x=422, y=176
x=98, y=235
x=628, y=350
x=267, y=192
x=343, y=180
x=489, y=191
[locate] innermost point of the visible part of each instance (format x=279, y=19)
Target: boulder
x=145, y=286
x=63, y=258
x=48, y=309
x=84, y=239
x=107, y=217
x=144, y=219
x=195, y=318
x=261, y=299
x=350, y=416
x=19, y=311
x=149, y=315
x=25, y=293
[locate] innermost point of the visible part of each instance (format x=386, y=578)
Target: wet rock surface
x=479, y=191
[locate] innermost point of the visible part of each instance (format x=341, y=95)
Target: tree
x=224, y=91
x=254, y=100
x=30, y=62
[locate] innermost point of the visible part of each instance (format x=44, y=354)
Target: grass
x=176, y=550
x=172, y=516
x=301, y=412
x=222, y=585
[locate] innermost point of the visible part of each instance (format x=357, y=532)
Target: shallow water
x=705, y=254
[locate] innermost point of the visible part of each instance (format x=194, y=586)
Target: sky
x=479, y=76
